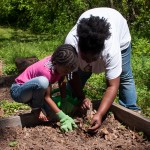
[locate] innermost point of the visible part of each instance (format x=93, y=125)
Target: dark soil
x=111, y=136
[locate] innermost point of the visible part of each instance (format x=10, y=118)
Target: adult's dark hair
x=66, y=56
x=92, y=33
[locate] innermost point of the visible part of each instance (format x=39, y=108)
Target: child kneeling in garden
x=34, y=85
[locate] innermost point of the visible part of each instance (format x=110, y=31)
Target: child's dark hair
x=92, y=33
x=66, y=56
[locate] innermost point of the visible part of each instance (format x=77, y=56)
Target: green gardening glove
x=66, y=122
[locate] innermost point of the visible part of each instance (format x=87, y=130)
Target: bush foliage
x=56, y=16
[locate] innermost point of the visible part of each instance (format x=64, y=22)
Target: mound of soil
x=111, y=136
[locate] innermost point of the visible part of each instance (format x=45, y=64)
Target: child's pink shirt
x=40, y=68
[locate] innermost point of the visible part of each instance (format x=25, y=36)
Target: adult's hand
x=95, y=123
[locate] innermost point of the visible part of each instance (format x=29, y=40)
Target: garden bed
x=112, y=135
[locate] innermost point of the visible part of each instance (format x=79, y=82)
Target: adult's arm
x=76, y=87
x=107, y=100
x=78, y=91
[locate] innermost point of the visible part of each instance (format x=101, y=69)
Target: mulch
x=112, y=135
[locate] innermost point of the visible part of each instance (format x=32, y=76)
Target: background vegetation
x=37, y=27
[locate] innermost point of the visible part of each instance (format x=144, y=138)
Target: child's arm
x=49, y=100
x=67, y=123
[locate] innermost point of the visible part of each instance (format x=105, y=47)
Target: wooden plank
x=10, y=122
x=24, y=120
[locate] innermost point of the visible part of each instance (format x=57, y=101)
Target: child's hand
x=86, y=104
x=67, y=123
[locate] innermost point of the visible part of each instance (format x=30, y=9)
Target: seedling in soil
x=13, y=143
x=84, y=123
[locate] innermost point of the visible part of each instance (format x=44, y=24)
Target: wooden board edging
x=24, y=120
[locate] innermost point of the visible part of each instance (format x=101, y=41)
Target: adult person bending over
x=102, y=40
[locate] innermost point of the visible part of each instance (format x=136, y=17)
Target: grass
x=17, y=43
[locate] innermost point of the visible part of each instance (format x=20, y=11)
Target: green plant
x=13, y=143
x=11, y=108
x=140, y=46
x=141, y=72
x=10, y=69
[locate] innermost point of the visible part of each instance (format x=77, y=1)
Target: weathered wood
x=10, y=122
x=23, y=120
